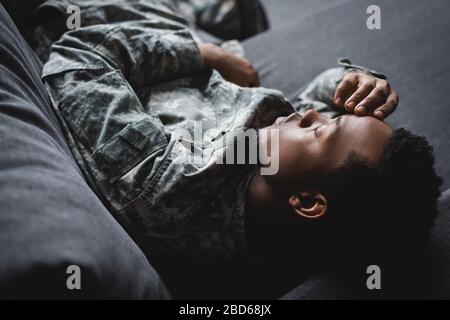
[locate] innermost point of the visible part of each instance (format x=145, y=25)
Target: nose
x=309, y=118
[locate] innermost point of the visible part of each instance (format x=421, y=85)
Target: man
x=124, y=89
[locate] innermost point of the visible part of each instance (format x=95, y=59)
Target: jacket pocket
x=129, y=147
x=105, y=115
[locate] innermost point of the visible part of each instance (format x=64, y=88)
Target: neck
x=261, y=214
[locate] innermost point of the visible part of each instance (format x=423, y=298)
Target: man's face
x=311, y=145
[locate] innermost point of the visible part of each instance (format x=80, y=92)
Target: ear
x=309, y=205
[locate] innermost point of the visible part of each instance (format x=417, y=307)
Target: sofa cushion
x=49, y=217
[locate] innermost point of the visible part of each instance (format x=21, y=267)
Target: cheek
x=299, y=155
x=337, y=152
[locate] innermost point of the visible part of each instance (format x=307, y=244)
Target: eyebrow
x=337, y=125
x=338, y=122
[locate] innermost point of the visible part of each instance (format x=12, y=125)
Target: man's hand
x=362, y=94
x=232, y=68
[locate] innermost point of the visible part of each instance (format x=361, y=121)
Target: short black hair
x=378, y=209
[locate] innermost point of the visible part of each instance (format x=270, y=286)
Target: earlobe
x=309, y=205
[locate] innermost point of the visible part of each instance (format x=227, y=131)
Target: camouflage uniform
x=226, y=20
x=122, y=90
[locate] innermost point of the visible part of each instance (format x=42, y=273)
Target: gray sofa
x=50, y=219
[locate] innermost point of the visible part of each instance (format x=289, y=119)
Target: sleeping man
x=130, y=95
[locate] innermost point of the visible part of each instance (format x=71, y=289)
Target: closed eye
x=317, y=132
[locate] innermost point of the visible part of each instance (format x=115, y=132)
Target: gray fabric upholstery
x=318, y=287
x=49, y=217
x=412, y=48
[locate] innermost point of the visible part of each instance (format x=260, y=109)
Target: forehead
x=366, y=136
x=364, y=123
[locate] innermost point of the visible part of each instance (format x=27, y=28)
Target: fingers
x=249, y=78
x=249, y=75
x=362, y=92
x=254, y=80
x=252, y=74
x=375, y=99
x=345, y=88
x=366, y=95
x=388, y=108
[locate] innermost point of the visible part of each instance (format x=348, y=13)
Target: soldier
x=129, y=93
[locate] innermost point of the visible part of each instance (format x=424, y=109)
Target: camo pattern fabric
x=129, y=96
x=225, y=19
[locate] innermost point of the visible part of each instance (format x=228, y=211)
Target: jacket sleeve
x=145, y=52
x=91, y=76
x=319, y=94
x=227, y=20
